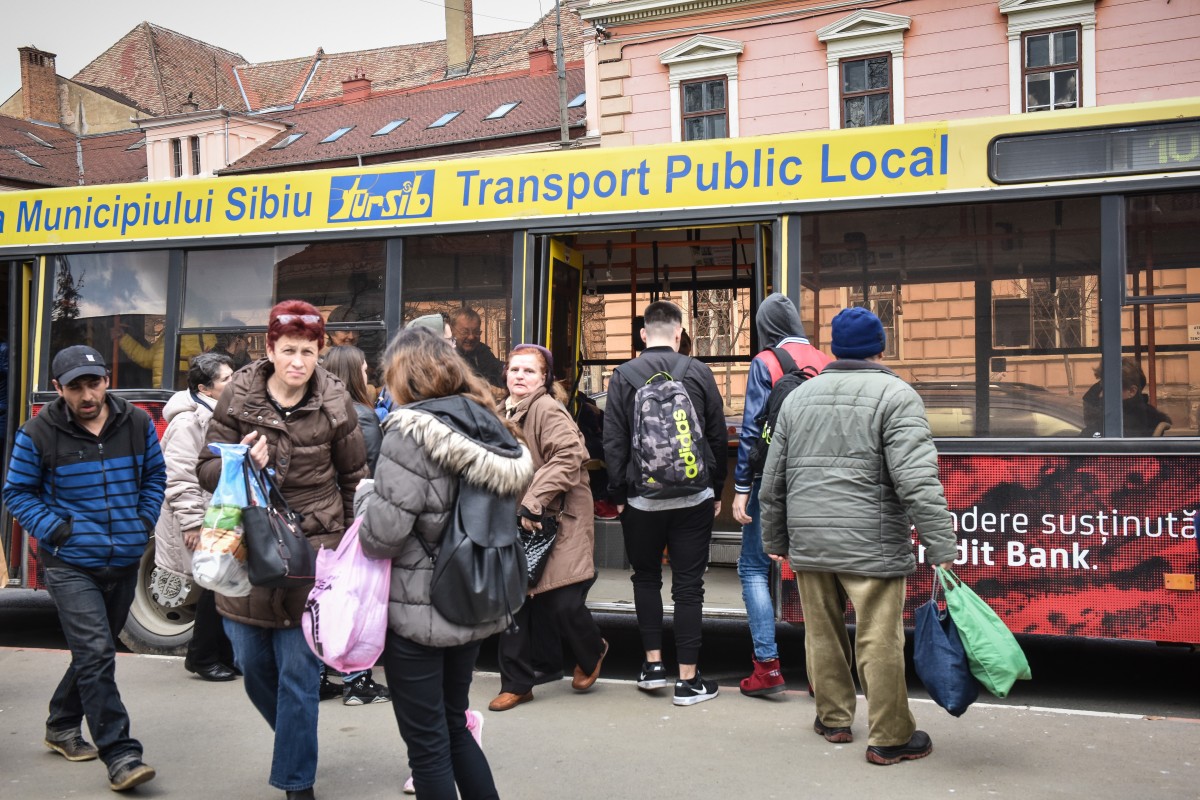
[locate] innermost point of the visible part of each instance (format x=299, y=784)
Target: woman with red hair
x=300, y=421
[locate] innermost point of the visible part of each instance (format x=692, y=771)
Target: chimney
x=356, y=87
x=541, y=60
x=460, y=37
x=39, y=85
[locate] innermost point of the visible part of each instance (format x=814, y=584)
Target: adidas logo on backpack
x=668, y=439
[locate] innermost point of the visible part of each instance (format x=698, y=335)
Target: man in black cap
x=851, y=465
x=69, y=485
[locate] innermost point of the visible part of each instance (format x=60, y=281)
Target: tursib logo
x=398, y=195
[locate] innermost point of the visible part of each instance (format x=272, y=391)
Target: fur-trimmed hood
x=468, y=440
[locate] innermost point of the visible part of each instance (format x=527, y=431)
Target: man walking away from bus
x=664, y=443
x=779, y=326
x=468, y=328
x=851, y=464
x=86, y=480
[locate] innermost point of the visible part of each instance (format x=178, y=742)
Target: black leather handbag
x=538, y=544
x=278, y=555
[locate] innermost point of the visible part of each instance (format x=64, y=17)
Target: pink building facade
x=945, y=59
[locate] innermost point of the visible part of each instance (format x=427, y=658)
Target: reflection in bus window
x=116, y=303
x=992, y=310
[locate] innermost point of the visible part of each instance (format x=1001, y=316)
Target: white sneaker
x=408, y=786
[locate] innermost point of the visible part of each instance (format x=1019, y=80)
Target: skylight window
x=339, y=133
x=578, y=100
x=502, y=110
x=38, y=139
x=291, y=138
x=26, y=158
x=138, y=145
x=391, y=126
x=445, y=119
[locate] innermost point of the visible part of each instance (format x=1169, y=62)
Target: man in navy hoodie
x=86, y=480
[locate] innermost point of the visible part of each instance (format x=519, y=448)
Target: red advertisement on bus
x=1072, y=545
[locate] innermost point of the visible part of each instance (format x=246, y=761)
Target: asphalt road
x=1078, y=674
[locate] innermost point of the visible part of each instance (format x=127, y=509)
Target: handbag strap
x=270, y=489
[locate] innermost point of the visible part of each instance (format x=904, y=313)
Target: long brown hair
x=346, y=361
x=421, y=365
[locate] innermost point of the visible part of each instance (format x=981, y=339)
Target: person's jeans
x=754, y=569
x=282, y=679
x=686, y=533
x=430, y=687
x=92, y=608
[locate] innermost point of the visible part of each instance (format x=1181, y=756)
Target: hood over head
x=777, y=319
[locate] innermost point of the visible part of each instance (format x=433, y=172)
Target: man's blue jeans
x=754, y=568
x=92, y=608
x=283, y=680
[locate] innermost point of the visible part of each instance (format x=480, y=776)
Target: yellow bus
x=1019, y=264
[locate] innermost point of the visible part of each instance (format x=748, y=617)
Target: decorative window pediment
x=1024, y=15
x=864, y=22
x=1030, y=18
x=701, y=48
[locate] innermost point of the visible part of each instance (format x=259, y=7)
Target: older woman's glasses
x=307, y=319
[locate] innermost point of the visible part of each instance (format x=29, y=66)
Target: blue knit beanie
x=857, y=333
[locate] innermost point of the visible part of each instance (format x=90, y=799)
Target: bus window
x=991, y=310
x=1160, y=324
x=468, y=278
x=116, y=303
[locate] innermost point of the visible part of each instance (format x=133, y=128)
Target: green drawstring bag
x=993, y=654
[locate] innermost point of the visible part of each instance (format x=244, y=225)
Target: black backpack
x=792, y=377
x=668, y=447
x=479, y=570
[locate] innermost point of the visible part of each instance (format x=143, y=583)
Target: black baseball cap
x=76, y=361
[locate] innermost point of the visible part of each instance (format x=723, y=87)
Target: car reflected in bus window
x=1017, y=411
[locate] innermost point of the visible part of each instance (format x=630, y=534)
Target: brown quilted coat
x=318, y=456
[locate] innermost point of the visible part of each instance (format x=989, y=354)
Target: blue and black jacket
x=90, y=501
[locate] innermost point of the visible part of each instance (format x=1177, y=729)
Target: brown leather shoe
x=506, y=700
x=581, y=682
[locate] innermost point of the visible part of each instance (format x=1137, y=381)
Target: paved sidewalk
x=206, y=741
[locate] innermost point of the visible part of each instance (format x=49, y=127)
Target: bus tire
x=163, y=610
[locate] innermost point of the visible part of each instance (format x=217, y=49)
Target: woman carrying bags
x=559, y=494
x=299, y=421
x=443, y=434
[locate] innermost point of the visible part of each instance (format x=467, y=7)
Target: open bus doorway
x=717, y=275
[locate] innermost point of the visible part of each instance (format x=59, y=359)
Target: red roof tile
x=536, y=112
x=105, y=157
x=158, y=69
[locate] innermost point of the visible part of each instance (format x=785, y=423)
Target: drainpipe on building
x=560, y=59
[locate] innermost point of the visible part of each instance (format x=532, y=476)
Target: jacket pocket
x=63, y=532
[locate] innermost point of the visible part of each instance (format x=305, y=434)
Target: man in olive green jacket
x=851, y=465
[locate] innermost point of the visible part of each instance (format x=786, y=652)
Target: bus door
x=14, y=392
x=563, y=294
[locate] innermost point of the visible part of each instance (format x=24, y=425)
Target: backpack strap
x=642, y=372
x=786, y=362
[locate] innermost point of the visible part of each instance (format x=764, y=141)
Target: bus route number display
x=1096, y=152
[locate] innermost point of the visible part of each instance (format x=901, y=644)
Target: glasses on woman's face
x=307, y=319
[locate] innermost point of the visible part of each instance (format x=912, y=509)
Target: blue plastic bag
x=219, y=561
x=940, y=658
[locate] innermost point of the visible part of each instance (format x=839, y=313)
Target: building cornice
x=639, y=10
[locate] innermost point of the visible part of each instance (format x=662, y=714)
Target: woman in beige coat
x=559, y=491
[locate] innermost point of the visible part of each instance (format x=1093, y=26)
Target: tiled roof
x=158, y=69
x=106, y=158
x=279, y=83
x=536, y=112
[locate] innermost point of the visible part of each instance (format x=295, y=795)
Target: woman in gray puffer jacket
x=443, y=431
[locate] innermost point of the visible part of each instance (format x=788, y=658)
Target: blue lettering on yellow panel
x=399, y=195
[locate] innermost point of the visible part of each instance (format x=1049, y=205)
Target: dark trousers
x=92, y=608
x=560, y=615
x=209, y=644
x=430, y=688
x=686, y=534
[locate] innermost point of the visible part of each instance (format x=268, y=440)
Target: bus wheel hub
x=169, y=589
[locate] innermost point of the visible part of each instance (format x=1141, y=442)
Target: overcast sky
x=80, y=30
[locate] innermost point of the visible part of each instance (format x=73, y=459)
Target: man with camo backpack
x=665, y=446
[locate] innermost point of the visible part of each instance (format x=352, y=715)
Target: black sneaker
x=918, y=746
x=129, y=774
x=329, y=689
x=697, y=690
x=72, y=747
x=654, y=676
x=363, y=691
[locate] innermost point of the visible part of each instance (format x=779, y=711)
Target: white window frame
x=861, y=34
x=698, y=58
x=1031, y=16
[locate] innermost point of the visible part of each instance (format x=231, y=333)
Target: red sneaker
x=766, y=679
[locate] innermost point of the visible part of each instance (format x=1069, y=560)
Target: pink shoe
x=408, y=786
x=475, y=726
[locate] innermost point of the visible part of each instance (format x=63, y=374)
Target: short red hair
x=297, y=328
